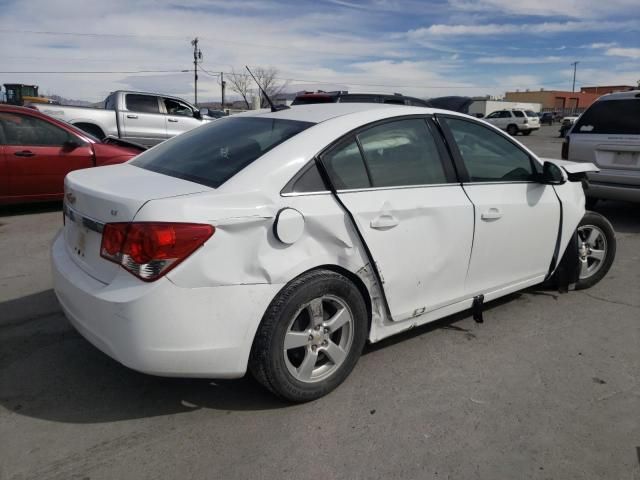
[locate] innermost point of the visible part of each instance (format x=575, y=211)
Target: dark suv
x=457, y=104
x=344, y=96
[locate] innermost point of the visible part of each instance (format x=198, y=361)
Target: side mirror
x=203, y=112
x=551, y=174
x=70, y=145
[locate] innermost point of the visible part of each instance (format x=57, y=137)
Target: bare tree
x=243, y=84
x=268, y=79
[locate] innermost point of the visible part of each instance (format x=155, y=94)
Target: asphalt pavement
x=547, y=388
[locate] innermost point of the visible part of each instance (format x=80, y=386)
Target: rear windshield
x=213, y=153
x=531, y=114
x=621, y=117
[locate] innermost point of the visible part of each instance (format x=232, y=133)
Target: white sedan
x=280, y=242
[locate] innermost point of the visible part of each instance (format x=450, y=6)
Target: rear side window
x=142, y=103
x=215, y=152
x=621, y=117
x=518, y=113
x=402, y=153
x=346, y=168
x=489, y=156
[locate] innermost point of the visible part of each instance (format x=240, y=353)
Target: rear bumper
x=160, y=328
x=613, y=191
x=528, y=127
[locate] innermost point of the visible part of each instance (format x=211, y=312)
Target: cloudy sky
x=423, y=48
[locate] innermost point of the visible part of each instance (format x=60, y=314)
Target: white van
x=608, y=134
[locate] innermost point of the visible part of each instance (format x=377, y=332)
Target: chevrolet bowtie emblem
x=71, y=198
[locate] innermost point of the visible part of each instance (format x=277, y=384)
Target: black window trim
x=432, y=127
x=457, y=156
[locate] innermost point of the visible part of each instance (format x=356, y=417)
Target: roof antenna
x=274, y=108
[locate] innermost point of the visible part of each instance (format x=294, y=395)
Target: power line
x=75, y=72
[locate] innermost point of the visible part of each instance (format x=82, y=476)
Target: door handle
x=384, y=221
x=173, y=120
x=491, y=214
x=132, y=116
x=25, y=153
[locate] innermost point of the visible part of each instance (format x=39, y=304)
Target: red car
x=37, y=151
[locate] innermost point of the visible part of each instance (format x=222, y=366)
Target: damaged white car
x=280, y=242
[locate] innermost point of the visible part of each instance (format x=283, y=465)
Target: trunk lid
x=110, y=194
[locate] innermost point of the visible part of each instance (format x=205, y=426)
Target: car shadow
x=48, y=371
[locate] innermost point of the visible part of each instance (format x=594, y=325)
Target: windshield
x=213, y=153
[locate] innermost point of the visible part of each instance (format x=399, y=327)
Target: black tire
x=606, y=241
x=591, y=202
x=526, y=132
x=512, y=130
x=267, y=361
x=92, y=130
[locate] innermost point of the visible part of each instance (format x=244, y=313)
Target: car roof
x=620, y=95
x=321, y=112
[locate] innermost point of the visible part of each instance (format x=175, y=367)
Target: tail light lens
x=149, y=250
x=565, y=148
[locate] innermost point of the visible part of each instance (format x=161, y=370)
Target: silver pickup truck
x=144, y=118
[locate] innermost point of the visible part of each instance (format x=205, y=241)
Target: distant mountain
x=69, y=101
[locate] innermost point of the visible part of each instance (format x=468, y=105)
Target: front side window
x=215, y=152
x=612, y=117
x=505, y=114
x=493, y=115
x=18, y=129
x=175, y=107
x=402, y=153
x=489, y=156
x=142, y=103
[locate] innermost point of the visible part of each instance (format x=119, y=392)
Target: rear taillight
x=149, y=250
x=565, y=148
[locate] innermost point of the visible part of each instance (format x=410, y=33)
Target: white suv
x=608, y=134
x=514, y=121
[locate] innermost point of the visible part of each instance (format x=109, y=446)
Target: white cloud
x=624, y=52
x=438, y=30
x=602, y=45
x=522, y=60
x=545, y=8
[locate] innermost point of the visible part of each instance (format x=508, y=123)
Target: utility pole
x=575, y=66
x=197, y=57
x=222, y=87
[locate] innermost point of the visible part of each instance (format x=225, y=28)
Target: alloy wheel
x=318, y=339
x=592, y=250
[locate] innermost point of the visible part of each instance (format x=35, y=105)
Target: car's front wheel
x=311, y=336
x=596, y=249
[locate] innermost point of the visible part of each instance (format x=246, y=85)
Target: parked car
x=309, y=98
x=608, y=134
x=280, y=242
x=514, y=121
x=547, y=118
x=144, y=118
x=566, y=124
x=453, y=103
x=37, y=151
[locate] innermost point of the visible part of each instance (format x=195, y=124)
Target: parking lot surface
x=547, y=388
